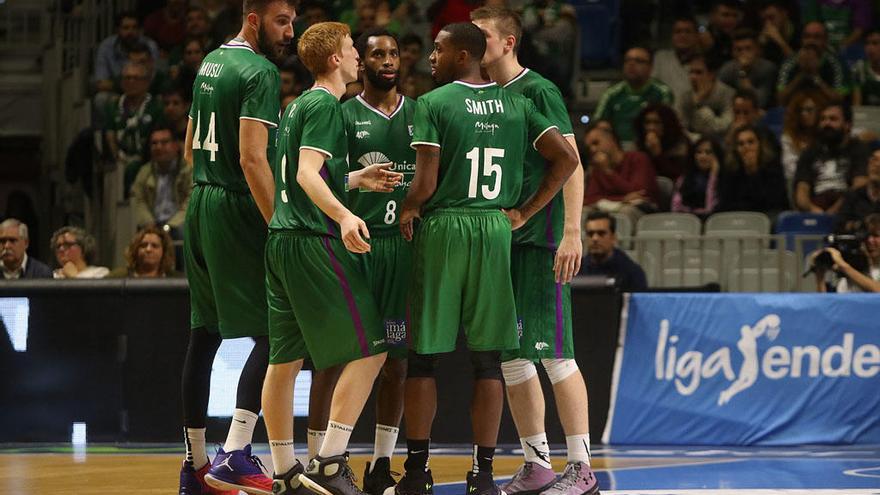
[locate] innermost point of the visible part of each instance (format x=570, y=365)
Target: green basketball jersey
x=233, y=83
x=546, y=227
x=313, y=121
x=483, y=132
x=374, y=137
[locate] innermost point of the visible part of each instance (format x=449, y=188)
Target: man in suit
x=14, y=242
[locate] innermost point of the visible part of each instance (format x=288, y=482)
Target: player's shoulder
x=531, y=81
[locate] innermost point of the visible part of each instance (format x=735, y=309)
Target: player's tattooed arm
x=377, y=177
x=353, y=229
x=568, y=256
x=422, y=188
x=563, y=161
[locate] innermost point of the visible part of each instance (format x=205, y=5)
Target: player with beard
x=471, y=137
x=234, y=114
x=378, y=125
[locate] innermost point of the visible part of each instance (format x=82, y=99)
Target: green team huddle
x=400, y=294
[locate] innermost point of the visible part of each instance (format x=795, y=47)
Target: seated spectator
x=831, y=167
x=724, y=18
x=845, y=20
x=866, y=72
x=198, y=28
x=813, y=66
x=14, y=242
x=618, y=181
x=294, y=80
x=167, y=25
x=752, y=177
x=112, y=53
x=697, y=190
x=706, y=107
x=130, y=120
x=150, y=254
x=550, y=29
x=660, y=135
x=183, y=74
x=863, y=277
x=414, y=82
x=748, y=71
x=74, y=252
x=622, y=102
x=161, y=190
x=863, y=201
x=779, y=36
x=605, y=258
x=176, y=102
x=227, y=22
x=670, y=65
x=159, y=80
x=310, y=12
x=747, y=112
x=800, y=124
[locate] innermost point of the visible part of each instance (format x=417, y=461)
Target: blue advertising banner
x=747, y=369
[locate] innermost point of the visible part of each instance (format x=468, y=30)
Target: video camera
x=850, y=247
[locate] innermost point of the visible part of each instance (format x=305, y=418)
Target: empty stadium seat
x=669, y=223
x=739, y=222
x=665, y=187
x=766, y=270
x=691, y=267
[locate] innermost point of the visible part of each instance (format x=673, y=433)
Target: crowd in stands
x=745, y=106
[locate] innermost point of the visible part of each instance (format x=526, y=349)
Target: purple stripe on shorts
x=349, y=299
x=559, y=321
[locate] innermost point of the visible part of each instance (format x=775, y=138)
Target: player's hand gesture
x=515, y=217
x=379, y=178
x=568, y=258
x=352, y=227
x=407, y=215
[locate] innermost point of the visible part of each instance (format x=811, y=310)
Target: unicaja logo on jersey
x=687, y=370
x=372, y=157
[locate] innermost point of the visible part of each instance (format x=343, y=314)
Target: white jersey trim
x=270, y=124
x=475, y=86
x=535, y=142
x=423, y=143
x=319, y=150
x=380, y=112
x=238, y=46
x=517, y=78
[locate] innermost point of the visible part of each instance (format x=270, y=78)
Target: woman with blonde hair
x=799, y=128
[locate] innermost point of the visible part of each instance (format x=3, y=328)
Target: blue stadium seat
x=793, y=223
x=599, y=26
x=773, y=119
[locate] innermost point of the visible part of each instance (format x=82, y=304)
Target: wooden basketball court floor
x=153, y=469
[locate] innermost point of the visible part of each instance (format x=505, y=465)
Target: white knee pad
x=518, y=371
x=559, y=369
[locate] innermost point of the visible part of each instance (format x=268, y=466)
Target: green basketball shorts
x=461, y=279
x=225, y=236
x=320, y=304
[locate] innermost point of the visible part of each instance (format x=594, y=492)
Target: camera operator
x=858, y=269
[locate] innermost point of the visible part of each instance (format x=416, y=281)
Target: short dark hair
x=360, y=44
x=161, y=128
x=411, y=39
x=749, y=95
x=872, y=222
x=845, y=108
x=690, y=19
x=176, y=89
x=140, y=47
x=713, y=63
x=603, y=215
x=125, y=14
x=259, y=6
x=731, y=4
x=645, y=48
x=740, y=34
x=468, y=37
x=872, y=30
x=594, y=126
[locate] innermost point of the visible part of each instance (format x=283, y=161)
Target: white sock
x=578, y=448
x=283, y=455
x=386, y=439
x=194, y=440
x=336, y=440
x=241, y=431
x=536, y=449
x=315, y=439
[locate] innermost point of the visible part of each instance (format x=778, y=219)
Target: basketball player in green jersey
x=470, y=137
x=546, y=254
x=232, y=123
x=320, y=303
x=378, y=123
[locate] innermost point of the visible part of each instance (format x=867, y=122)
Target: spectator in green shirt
x=622, y=102
x=866, y=73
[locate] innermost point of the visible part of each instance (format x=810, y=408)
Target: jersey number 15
x=489, y=169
